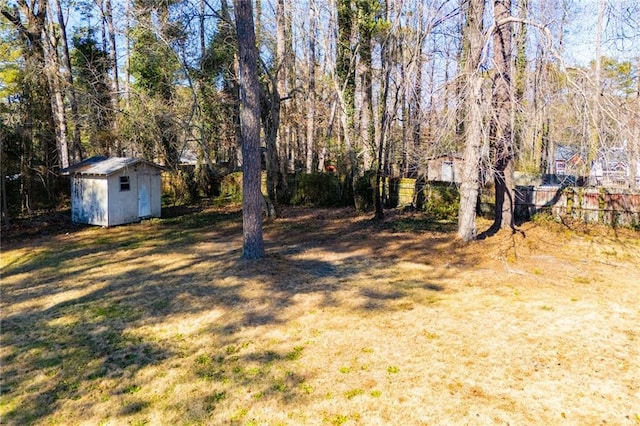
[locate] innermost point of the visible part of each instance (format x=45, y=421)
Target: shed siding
x=123, y=205
x=152, y=176
x=445, y=169
x=97, y=198
x=89, y=200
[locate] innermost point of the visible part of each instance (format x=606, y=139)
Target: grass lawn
x=346, y=321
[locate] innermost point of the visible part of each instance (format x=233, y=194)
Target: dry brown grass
x=346, y=321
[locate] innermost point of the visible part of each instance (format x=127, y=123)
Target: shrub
x=442, y=201
x=178, y=187
x=316, y=190
x=363, y=193
x=231, y=187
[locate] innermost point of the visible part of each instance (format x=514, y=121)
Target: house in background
x=613, y=167
x=568, y=162
x=566, y=168
x=114, y=191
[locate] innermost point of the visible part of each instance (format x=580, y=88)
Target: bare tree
x=70, y=87
x=596, y=137
x=29, y=19
x=472, y=77
x=127, y=50
x=346, y=81
x=3, y=185
x=367, y=11
x=115, y=80
x=634, y=151
x=501, y=131
x=311, y=85
x=52, y=61
x=386, y=47
x=415, y=98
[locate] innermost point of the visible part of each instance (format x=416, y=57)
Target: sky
x=581, y=38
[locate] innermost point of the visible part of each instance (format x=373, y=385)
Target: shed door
x=447, y=171
x=144, y=195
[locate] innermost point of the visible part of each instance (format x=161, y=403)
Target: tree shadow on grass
x=71, y=355
x=77, y=306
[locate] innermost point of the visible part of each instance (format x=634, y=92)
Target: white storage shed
x=114, y=191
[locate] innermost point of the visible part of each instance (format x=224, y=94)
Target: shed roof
x=448, y=156
x=104, y=166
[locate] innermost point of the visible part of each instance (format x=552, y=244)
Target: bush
x=206, y=182
x=178, y=187
x=316, y=190
x=442, y=201
x=231, y=187
x=363, y=193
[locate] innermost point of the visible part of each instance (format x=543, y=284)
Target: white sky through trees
x=621, y=38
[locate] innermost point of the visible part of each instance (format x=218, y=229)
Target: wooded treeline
x=349, y=86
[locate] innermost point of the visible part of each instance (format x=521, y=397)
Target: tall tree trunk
x=406, y=112
x=273, y=114
x=346, y=83
x=634, y=150
x=38, y=119
x=52, y=61
x=258, y=24
x=520, y=78
x=203, y=44
x=501, y=132
x=70, y=87
x=462, y=55
x=252, y=201
x=538, y=148
x=103, y=25
x=311, y=85
x=3, y=185
x=234, y=92
x=328, y=135
x=284, y=157
x=596, y=115
x=415, y=117
x=127, y=45
x=546, y=146
x=115, y=81
x=431, y=108
x=351, y=165
x=472, y=101
x=271, y=124
x=383, y=118
x=281, y=53
x=366, y=21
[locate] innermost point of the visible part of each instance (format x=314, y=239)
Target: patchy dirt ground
x=346, y=321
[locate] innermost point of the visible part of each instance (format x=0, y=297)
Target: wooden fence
x=593, y=205
x=609, y=206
